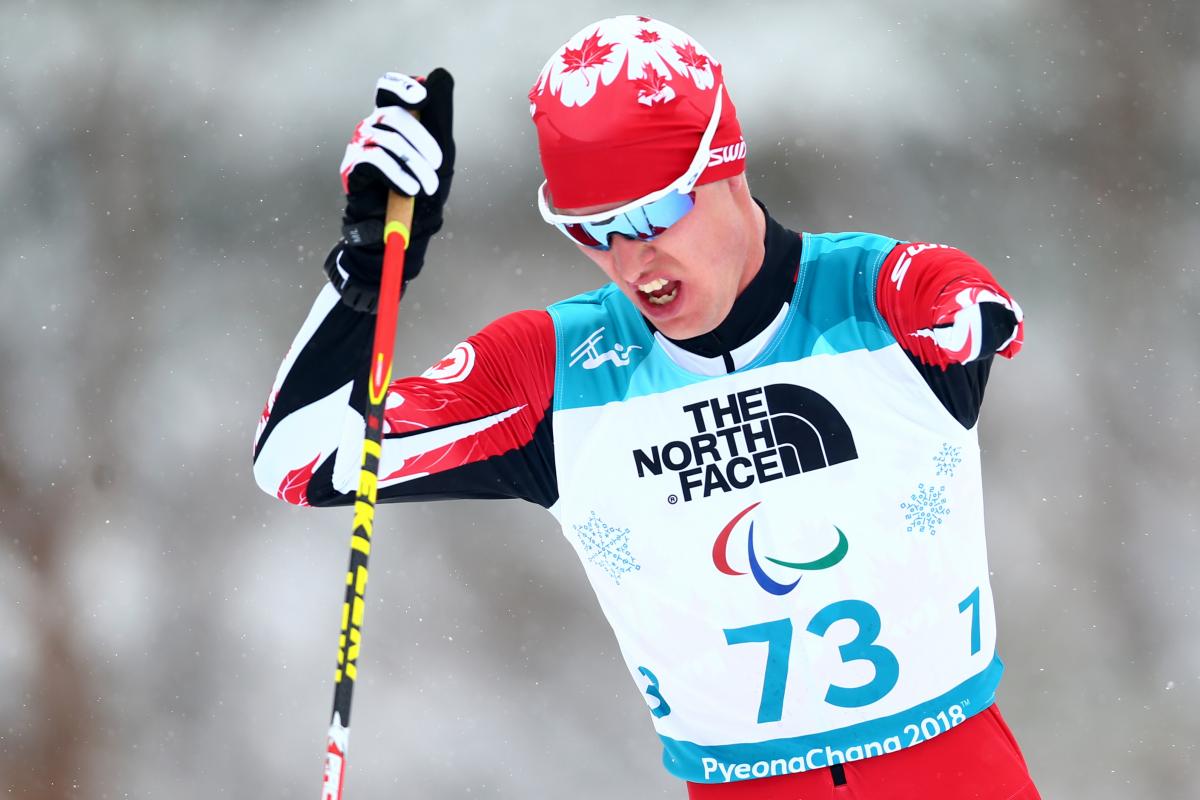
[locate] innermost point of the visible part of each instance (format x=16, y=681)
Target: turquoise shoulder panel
x=606, y=352
x=833, y=309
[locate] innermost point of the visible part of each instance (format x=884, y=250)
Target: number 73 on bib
x=777, y=635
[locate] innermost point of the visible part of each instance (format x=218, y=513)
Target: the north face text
x=754, y=436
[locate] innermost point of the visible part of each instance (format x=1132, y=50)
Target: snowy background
x=168, y=189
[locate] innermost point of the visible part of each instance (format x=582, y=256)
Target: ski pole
x=395, y=240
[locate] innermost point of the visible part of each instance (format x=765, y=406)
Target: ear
x=738, y=184
x=739, y=192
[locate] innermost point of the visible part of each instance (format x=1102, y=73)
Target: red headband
x=620, y=110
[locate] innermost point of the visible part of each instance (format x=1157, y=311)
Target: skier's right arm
x=477, y=424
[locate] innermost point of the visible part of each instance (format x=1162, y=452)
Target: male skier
x=761, y=443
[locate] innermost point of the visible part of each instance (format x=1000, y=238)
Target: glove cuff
x=355, y=271
x=364, y=232
x=344, y=269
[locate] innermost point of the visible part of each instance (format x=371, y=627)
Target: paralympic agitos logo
x=753, y=436
x=720, y=556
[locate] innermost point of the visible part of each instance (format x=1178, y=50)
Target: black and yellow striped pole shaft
x=395, y=238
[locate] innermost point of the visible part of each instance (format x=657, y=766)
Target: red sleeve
x=487, y=402
x=475, y=424
x=944, y=307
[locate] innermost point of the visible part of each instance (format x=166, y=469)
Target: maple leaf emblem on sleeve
x=687, y=52
x=648, y=36
x=294, y=486
x=589, y=54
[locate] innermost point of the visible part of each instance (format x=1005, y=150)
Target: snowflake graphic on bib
x=606, y=547
x=926, y=509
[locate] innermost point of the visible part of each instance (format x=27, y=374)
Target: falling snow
x=607, y=547
x=926, y=509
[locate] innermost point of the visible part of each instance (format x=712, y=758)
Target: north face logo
x=754, y=436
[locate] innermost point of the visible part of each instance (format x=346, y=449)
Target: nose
x=631, y=259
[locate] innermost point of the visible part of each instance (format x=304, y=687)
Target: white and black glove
x=391, y=150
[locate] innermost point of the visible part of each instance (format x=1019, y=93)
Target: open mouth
x=659, y=292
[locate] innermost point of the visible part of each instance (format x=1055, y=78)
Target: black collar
x=760, y=301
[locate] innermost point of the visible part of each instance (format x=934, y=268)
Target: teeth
x=652, y=286
x=666, y=298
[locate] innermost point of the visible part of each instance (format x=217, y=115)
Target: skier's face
x=686, y=279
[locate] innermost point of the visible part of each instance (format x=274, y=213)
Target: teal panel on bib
x=733, y=762
x=833, y=309
x=603, y=344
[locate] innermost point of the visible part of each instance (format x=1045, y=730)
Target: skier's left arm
x=951, y=316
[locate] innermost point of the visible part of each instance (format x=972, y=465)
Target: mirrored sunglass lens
x=653, y=219
x=665, y=212
x=579, y=233
x=641, y=224
x=596, y=234
x=642, y=221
